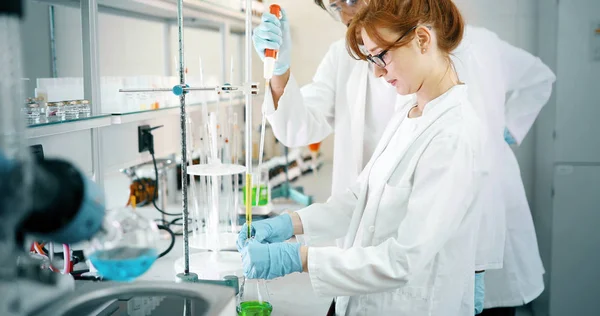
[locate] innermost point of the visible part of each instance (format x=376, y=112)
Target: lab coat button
x=372, y=229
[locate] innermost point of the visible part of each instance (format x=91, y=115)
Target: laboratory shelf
x=124, y=118
x=103, y=120
x=67, y=126
x=130, y=117
x=167, y=9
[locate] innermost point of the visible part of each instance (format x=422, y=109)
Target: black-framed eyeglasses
x=378, y=59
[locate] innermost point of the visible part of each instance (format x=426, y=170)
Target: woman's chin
x=403, y=90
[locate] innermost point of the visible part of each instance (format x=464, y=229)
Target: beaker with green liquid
x=261, y=183
x=253, y=299
x=263, y=195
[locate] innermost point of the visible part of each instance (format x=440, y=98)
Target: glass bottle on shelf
x=85, y=108
x=41, y=100
x=55, y=111
x=72, y=110
x=32, y=111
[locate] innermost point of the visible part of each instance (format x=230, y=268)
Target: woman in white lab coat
x=409, y=228
x=347, y=99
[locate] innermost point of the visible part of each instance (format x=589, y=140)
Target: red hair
x=402, y=16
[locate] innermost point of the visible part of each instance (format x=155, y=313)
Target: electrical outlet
x=142, y=146
x=37, y=151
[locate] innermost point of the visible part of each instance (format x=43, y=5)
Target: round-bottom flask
x=126, y=248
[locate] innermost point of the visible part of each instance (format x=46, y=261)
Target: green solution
x=254, y=308
x=263, y=195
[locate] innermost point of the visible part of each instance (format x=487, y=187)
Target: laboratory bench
x=291, y=295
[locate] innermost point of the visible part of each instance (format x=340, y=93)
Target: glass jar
x=41, y=101
x=32, y=111
x=55, y=111
x=85, y=108
x=72, y=110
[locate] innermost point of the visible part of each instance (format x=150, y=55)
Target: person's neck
x=434, y=86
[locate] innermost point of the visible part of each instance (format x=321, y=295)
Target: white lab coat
x=335, y=101
x=409, y=225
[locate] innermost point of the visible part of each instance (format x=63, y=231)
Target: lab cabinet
x=566, y=208
x=575, y=275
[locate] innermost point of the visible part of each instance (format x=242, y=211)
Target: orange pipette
x=271, y=54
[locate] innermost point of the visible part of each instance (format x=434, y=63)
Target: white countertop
x=290, y=295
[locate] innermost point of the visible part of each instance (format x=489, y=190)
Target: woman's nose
x=379, y=72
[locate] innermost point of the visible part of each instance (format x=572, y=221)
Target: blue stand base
x=230, y=281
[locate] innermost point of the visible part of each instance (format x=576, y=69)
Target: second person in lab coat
x=346, y=98
x=410, y=231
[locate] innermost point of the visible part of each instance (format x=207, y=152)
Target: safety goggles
x=335, y=8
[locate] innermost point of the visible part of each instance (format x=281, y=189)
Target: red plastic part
x=274, y=9
x=314, y=147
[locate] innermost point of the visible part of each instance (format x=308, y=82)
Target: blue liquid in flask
x=123, y=263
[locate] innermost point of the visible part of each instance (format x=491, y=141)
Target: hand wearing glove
x=508, y=138
x=270, y=261
x=274, y=33
x=276, y=229
x=479, y=292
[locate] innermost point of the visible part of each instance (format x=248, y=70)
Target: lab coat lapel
x=361, y=204
x=357, y=97
x=401, y=107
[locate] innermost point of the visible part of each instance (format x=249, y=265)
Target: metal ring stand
x=181, y=90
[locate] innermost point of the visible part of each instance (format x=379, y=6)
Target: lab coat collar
x=457, y=92
x=431, y=113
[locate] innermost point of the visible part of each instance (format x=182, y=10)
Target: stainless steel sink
x=143, y=299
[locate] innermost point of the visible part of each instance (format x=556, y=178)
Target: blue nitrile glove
x=508, y=138
x=274, y=33
x=270, y=261
x=479, y=292
x=275, y=229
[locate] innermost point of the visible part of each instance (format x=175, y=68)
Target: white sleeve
x=305, y=116
x=443, y=188
x=528, y=83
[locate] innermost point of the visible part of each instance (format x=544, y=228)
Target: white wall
x=36, y=43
